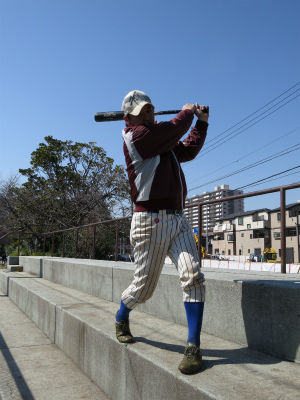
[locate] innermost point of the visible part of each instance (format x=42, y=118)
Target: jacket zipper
x=179, y=178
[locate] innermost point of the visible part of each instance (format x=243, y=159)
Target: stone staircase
x=74, y=302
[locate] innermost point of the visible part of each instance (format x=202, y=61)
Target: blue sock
x=194, y=315
x=123, y=313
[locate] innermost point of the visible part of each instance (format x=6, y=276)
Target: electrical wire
x=264, y=179
x=256, y=111
x=238, y=131
x=274, y=179
x=271, y=157
x=247, y=155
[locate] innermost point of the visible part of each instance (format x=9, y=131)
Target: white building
x=213, y=212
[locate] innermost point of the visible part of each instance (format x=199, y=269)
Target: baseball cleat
x=123, y=333
x=192, y=360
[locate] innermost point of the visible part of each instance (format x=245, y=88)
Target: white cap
x=134, y=101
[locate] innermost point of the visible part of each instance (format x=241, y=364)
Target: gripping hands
x=202, y=112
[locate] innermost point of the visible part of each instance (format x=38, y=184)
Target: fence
x=79, y=244
x=281, y=189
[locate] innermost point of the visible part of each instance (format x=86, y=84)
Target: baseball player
x=153, y=153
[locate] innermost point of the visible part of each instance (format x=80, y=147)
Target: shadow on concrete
x=271, y=314
x=15, y=372
x=161, y=345
x=224, y=357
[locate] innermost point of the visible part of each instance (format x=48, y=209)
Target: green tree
x=68, y=184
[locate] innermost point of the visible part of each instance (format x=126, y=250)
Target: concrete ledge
x=32, y=265
x=85, y=275
x=6, y=275
x=260, y=310
x=32, y=368
x=84, y=330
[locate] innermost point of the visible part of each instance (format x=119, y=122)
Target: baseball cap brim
x=136, y=111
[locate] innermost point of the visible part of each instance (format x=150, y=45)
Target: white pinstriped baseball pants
x=154, y=236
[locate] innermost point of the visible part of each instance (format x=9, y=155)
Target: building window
x=278, y=216
x=256, y=218
x=229, y=252
x=242, y=235
x=251, y=236
x=291, y=232
x=216, y=251
x=240, y=221
x=230, y=238
x=248, y=226
x=223, y=252
x=240, y=252
x=248, y=250
x=276, y=235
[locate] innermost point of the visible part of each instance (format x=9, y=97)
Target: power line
x=238, y=131
x=271, y=157
x=249, y=154
x=274, y=179
x=264, y=179
x=254, y=112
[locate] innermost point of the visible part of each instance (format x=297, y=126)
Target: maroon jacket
x=153, y=155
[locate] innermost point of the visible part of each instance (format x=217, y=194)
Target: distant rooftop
x=268, y=210
x=244, y=213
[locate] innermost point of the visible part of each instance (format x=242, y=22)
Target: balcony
x=227, y=227
x=218, y=237
x=217, y=228
x=260, y=224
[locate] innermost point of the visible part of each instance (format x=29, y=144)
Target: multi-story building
x=292, y=223
x=251, y=232
x=223, y=241
x=243, y=233
x=213, y=212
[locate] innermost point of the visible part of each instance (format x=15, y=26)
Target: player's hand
x=200, y=114
x=191, y=107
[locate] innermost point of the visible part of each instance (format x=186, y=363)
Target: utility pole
x=297, y=233
x=206, y=244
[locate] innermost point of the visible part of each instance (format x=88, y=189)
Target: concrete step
x=83, y=327
x=257, y=309
x=6, y=275
x=33, y=368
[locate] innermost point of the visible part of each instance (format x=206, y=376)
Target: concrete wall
x=261, y=310
x=32, y=265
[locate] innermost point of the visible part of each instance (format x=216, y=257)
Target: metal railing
x=116, y=222
x=281, y=189
x=92, y=228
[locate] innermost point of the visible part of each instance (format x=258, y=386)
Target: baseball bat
x=118, y=115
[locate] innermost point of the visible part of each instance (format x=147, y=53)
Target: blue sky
x=62, y=61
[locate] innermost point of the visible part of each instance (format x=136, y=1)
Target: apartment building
x=251, y=232
x=223, y=241
x=243, y=233
x=292, y=222
x=213, y=212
